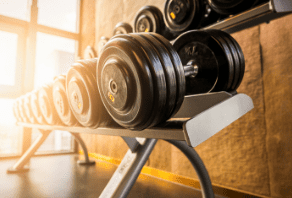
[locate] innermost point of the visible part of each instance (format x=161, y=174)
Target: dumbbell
x=36, y=110
x=83, y=95
x=122, y=28
x=232, y=6
x=61, y=101
x=150, y=19
x=16, y=110
x=22, y=112
x=46, y=104
x=142, y=80
x=103, y=40
x=28, y=109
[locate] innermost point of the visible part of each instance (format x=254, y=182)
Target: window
x=39, y=40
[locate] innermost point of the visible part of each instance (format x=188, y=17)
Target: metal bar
x=132, y=143
x=198, y=165
x=26, y=138
x=29, y=153
x=128, y=171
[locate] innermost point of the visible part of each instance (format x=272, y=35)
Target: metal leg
x=199, y=166
x=82, y=144
x=128, y=171
x=19, y=166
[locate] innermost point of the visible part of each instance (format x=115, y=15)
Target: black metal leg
x=87, y=161
x=199, y=166
x=128, y=171
x=19, y=166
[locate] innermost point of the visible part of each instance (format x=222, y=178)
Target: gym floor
x=61, y=176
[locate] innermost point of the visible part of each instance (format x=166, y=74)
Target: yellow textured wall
x=254, y=153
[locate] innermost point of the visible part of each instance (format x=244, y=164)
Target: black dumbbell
x=28, y=109
x=61, y=101
x=122, y=28
x=150, y=19
x=232, y=6
x=142, y=80
x=34, y=103
x=83, y=95
x=46, y=104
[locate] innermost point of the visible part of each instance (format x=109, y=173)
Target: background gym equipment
x=28, y=109
x=89, y=53
x=122, y=28
x=61, y=101
x=83, y=94
x=22, y=112
x=103, y=40
x=46, y=104
x=34, y=103
x=142, y=80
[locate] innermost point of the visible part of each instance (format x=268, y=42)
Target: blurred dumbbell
x=61, y=101
x=83, y=95
x=16, y=112
x=36, y=110
x=46, y=104
x=143, y=79
x=28, y=109
x=22, y=112
x=150, y=19
x=122, y=28
x=103, y=40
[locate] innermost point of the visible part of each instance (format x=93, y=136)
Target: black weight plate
x=232, y=57
x=210, y=57
x=179, y=71
x=46, y=104
x=28, y=109
x=83, y=95
x=241, y=59
x=149, y=19
x=36, y=108
x=230, y=6
x=61, y=101
x=103, y=40
x=180, y=15
x=126, y=54
x=122, y=28
x=210, y=16
x=169, y=71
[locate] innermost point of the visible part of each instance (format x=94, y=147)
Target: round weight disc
x=46, y=104
x=231, y=61
x=230, y=6
x=122, y=28
x=180, y=15
x=124, y=55
x=149, y=19
x=36, y=109
x=28, y=109
x=204, y=51
x=103, y=40
x=160, y=86
x=61, y=101
x=169, y=71
x=179, y=71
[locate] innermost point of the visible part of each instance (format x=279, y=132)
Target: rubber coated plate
x=210, y=57
x=230, y=6
x=231, y=61
x=36, y=109
x=178, y=67
x=125, y=53
x=122, y=28
x=61, y=101
x=169, y=71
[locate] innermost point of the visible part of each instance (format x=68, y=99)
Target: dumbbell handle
x=190, y=69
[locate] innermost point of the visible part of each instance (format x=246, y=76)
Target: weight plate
x=179, y=71
x=46, y=104
x=83, y=95
x=210, y=57
x=28, y=109
x=149, y=19
x=180, y=15
x=160, y=87
x=122, y=28
x=89, y=53
x=232, y=62
x=210, y=16
x=36, y=108
x=230, y=6
x=169, y=71
x=61, y=101
x=135, y=98
x=103, y=40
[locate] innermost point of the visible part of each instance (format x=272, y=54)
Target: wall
x=252, y=154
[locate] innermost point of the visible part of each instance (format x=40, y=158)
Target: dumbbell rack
x=200, y=117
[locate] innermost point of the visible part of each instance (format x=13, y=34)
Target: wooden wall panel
x=276, y=42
